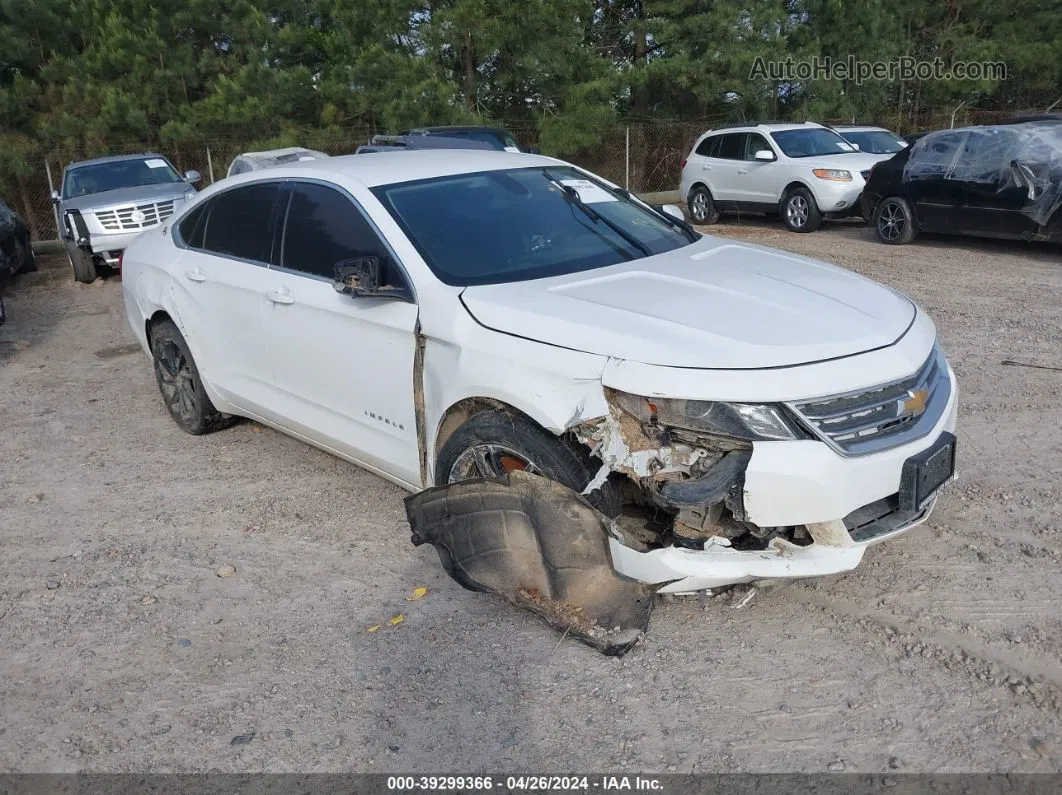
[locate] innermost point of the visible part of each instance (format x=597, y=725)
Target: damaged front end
x=684, y=486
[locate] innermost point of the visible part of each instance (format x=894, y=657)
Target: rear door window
x=241, y=222
x=733, y=146
x=709, y=147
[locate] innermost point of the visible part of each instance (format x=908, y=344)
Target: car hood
x=714, y=304
x=852, y=161
x=141, y=194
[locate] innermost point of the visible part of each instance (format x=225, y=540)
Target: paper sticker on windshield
x=844, y=147
x=512, y=149
x=156, y=163
x=589, y=192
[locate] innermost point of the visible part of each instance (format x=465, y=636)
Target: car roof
x=114, y=159
x=406, y=165
x=843, y=128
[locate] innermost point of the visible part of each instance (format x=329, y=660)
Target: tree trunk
x=469, y=58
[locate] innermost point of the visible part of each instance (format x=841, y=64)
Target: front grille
x=133, y=217
x=882, y=417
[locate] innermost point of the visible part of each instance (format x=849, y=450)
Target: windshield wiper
x=573, y=197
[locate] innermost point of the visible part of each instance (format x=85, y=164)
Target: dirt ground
x=121, y=649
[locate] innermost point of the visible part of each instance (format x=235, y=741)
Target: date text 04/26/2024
x=404, y=784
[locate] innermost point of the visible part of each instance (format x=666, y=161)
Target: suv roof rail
x=755, y=123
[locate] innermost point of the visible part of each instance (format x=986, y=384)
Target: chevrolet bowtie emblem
x=915, y=402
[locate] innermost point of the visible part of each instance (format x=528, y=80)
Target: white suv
x=802, y=171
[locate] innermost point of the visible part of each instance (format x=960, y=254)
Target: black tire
x=29, y=262
x=502, y=437
x=894, y=223
x=179, y=383
x=3, y=312
x=84, y=268
x=800, y=212
x=702, y=206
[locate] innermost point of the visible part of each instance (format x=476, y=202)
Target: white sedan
x=736, y=412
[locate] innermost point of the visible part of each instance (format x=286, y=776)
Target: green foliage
x=81, y=77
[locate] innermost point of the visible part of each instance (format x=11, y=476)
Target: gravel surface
x=170, y=603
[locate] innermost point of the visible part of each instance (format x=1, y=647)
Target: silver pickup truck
x=106, y=202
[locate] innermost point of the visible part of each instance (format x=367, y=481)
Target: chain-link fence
x=645, y=157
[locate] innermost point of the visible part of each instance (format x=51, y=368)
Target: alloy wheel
x=699, y=206
x=489, y=461
x=891, y=221
x=796, y=211
x=176, y=381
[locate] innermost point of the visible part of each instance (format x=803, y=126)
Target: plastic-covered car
x=1002, y=180
x=255, y=161
x=16, y=254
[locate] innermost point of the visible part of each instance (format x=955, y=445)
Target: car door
x=996, y=185
x=723, y=167
x=935, y=196
x=758, y=181
x=219, y=291
x=342, y=364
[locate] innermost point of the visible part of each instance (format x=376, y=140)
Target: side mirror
x=193, y=177
x=359, y=276
x=55, y=197
x=673, y=211
x=764, y=155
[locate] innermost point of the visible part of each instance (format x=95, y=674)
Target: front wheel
x=180, y=384
x=82, y=264
x=493, y=443
x=894, y=221
x=800, y=212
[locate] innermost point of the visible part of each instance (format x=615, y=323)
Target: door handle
x=195, y=275
x=280, y=297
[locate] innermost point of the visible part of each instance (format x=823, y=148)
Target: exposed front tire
x=81, y=263
x=493, y=443
x=800, y=212
x=180, y=384
x=894, y=222
x=702, y=206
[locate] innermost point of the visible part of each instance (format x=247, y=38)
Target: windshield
x=812, y=142
x=876, y=142
x=100, y=177
x=518, y=224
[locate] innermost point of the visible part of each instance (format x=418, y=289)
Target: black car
x=16, y=254
x=496, y=137
x=1001, y=181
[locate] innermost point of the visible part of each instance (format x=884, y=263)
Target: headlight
x=750, y=421
x=832, y=174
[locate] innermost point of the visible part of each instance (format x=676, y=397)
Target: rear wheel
x=800, y=212
x=702, y=206
x=179, y=382
x=894, y=221
x=493, y=443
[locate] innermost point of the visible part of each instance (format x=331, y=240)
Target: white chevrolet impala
x=736, y=412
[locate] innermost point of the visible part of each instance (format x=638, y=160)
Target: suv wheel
x=84, y=268
x=702, y=206
x=894, y=221
x=800, y=212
